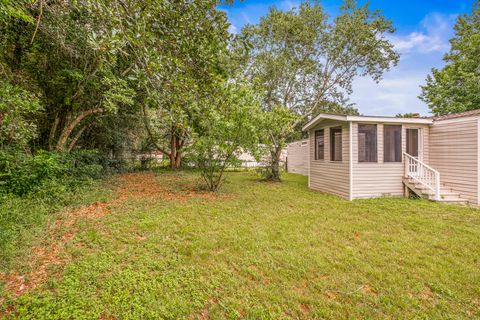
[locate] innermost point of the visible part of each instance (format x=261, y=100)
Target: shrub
x=21, y=174
x=32, y=187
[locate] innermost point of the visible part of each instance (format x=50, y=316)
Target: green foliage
x=23, y=174
x=17, y=109
x=23, y=220
x=224, y=130
x=408, y=115
x=32, y=187
x=304, y=61
x=275, y=127
x=15, y=9
x=266, y=251
x=455, y=87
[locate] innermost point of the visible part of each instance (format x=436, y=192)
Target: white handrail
x=422, y=173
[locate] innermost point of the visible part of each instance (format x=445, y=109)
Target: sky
x=423, y=28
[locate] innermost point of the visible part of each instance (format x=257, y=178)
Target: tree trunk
x=67, y=130
x=53, y=131
x=176, y=144
x=75, y=139
x=178, y=160
x=275, y=163
x=173, y=148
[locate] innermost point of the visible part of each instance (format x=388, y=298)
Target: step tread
x=447, y=194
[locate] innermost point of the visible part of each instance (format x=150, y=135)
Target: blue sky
x=423, y=28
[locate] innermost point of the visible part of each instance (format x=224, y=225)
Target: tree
x=14, y=9
x=228, y=126
x=276, y=125
x=456, y=87
x=86, y=60
x=175, y=61
x=301, y=61
x=17, y=107
x=70, y=68
x=408, y=115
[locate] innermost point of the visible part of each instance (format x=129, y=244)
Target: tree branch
x=150, y=134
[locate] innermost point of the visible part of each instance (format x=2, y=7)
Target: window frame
x=394, y=146
x=375, y=151
x=316, y=156
x=332, y=143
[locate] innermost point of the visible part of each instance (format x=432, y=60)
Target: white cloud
x=420, y=50
x=435, y=30
x=397, y=93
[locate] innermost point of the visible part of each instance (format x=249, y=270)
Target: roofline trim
x=459, y=119
x=347, y=118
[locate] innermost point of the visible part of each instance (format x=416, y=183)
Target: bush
x=21, y=174
x=32, y=187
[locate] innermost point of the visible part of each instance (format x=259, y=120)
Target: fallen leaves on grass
x=305, y=308
x=142, y=185
x=331, y=295
x=427, y=295
x=366, y=289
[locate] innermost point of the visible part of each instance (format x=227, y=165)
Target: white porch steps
x=447, y=195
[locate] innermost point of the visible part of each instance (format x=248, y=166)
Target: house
x=297, y=157
x=249, y=161
x=366, y=156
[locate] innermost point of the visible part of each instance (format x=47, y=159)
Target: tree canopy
x=126, y=77
x=304, y=63
x=456, y=87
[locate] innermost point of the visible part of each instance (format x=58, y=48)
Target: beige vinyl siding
x=376, y=179
x=325, y=175
x=454, y=153
x=297, y=157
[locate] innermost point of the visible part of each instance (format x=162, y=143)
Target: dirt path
x=143, y=185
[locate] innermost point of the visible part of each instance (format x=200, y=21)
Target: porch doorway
x=413, y=142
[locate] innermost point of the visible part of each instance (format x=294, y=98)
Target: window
x=367, y=143
x=392, y=143
x=319, y=145
x=336, y=144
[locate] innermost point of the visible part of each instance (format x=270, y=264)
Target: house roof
x=325, y=116
x=470, y=113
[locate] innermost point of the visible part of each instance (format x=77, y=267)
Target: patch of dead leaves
x=143, y=185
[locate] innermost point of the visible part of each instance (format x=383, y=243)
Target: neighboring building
x=364, y=157
x=297, y=157
x=249, y=161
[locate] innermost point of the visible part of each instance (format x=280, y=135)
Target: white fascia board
x=390, y=119
x=322, y=116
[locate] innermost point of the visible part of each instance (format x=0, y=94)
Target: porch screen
x=392, y=143
x=336, y=144
x=319, y=145
x=367, y=143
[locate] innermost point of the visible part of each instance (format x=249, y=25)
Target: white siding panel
x=382, y=179
x=454, y=153
x=325, y=175
x=297, y=157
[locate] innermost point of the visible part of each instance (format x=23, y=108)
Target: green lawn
x=260, y=251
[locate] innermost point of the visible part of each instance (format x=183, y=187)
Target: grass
x=24, y=220
x=263, y=251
